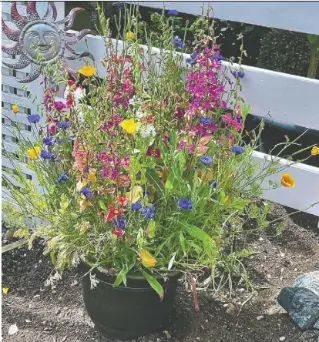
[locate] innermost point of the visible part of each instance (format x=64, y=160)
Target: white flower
x=67, y=91
x=80, y=108
x=78, y=94
x=147, y=131
x=139, y=114
x=132, y=100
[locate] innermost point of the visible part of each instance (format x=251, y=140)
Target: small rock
x=13, y=329
x=36, y=296
x=282, y=338
x=259, y=317
x=58, y=311
x=64, y=339
x=230, y=309
x=28, y=320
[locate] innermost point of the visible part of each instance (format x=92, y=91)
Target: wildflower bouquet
x=145, y=170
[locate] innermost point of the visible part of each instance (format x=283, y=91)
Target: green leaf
x=156, y=286
x=151, y=229
x=121, y=278
x=102, y=205
x=245, y=110
x=169, y=183
x=198, y=233
x=13, y=245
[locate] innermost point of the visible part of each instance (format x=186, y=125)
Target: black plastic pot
x=128, y=312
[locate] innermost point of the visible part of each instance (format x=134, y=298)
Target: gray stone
x=301, y=301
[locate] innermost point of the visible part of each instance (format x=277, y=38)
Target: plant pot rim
x=132, y=276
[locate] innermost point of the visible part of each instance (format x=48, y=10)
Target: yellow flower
x=288, y=181
x=84, y=204
x=80, y=184
x=130, y=126
x=87, y=70
x=130, y=36
x=147, y=258
x=5, y=290
x=15, y=108
x=315, y=151
x=92, y=175
x=135, y=194
x=33, y=153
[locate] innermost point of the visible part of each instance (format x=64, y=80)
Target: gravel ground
x=46, y=315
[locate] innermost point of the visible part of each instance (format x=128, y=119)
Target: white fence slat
x=294, y=16
x=289, y=99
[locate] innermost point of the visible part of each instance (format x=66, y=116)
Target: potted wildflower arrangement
x=143, y=176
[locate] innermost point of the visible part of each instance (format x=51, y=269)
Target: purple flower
x=86, y=191
x=120, y=222
x=177, y=42
x=192, y=59
x=207, y=160
x=49, y=141
x=148, y=212
x=64, y=124
x=46, y=155
x=59, y=105
x=33, y=118
x=205, y=120
x=237, y=149
x=63, y=178
x=136, y=206
x=172, y=13
x=213, y=184
x=219, y=58
x=238, y=73
x=185, y=203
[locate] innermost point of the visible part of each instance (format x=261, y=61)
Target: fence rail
x=293, y=16
x=285, y=98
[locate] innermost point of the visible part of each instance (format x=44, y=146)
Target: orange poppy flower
x=288, y=181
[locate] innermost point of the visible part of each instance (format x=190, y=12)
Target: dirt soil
x=46, y=315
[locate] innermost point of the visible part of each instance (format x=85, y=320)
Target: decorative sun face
x=41, y=40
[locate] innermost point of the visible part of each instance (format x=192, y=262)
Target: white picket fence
x=287, y=98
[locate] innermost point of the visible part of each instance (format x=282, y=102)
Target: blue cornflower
x=219, y=58
x=148, y=212
x=185, y=203
x=136, y=206
x=86, y=191
x=63, y=178
x=192, y=59
x=64, y=124
x=207, y=160
x=237, y=149
x=177, y=42
x=49, y=141
x=47, y=155
x=120, y=222
x=172, y=13
x=238, y=73
x=33, y=118
x=205, y=120
x=213, y=184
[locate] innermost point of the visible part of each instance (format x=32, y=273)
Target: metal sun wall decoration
x=40, y=41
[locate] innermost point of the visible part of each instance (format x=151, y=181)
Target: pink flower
x=59, y=105
x=52, y=128
x=80, y=155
